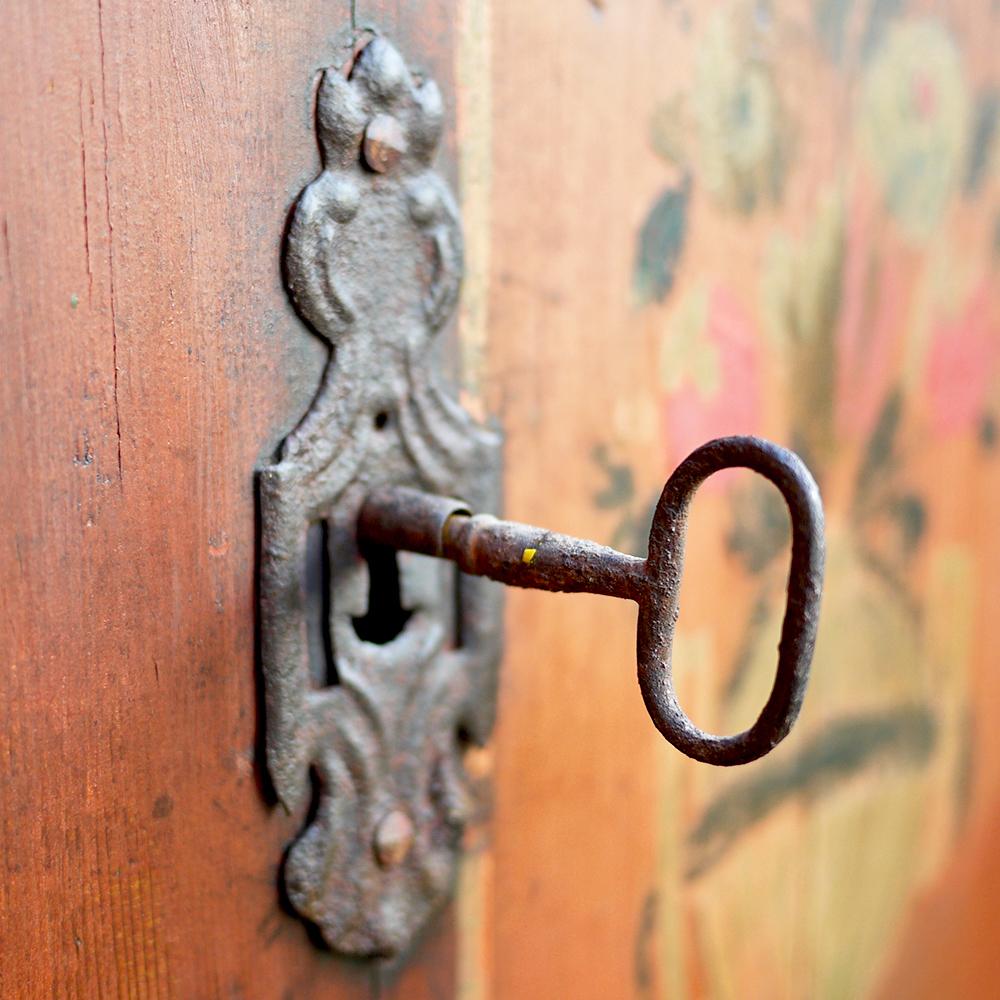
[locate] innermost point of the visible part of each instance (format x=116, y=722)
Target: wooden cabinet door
x=682, y=219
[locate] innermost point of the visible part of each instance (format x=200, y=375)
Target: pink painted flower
x=710, y=368
x=873, y=302
x=961, y=363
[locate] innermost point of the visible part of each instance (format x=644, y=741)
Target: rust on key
x=524, y=556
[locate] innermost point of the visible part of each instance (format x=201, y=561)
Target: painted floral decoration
x=741, y=128
x=709, y=370
x=914, y=121
x=858, y=320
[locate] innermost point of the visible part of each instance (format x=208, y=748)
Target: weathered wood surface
x=150, y=155
x=778, y=218
x=633, y=285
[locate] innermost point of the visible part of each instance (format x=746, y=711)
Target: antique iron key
x=525, y=556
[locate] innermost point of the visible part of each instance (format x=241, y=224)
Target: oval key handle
x=525, y=556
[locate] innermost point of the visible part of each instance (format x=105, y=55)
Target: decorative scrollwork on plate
x=378, y=669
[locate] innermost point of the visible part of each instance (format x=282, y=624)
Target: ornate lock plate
x=379, y=669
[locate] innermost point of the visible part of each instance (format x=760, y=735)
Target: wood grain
x=595, y=823
x=150, y=360
x=576, y=798
x=149, y=156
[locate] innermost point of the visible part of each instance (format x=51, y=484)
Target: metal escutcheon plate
x=378, y=669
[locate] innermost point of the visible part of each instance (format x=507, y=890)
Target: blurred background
x=778, y=217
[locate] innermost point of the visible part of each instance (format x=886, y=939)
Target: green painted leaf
x=661, y=240
x=880, y=458
x=830, y=18
x=847, y=746
x=984, y=131
x=881, y=14
x=619, y=488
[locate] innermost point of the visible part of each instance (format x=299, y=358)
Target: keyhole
x=316, y=591
x=386, y=617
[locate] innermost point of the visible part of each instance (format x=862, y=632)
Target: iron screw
x=384, y=143
x=393, y=838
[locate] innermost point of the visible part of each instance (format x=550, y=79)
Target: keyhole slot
x=386, y=617
x=318, y=605
x=457, y=635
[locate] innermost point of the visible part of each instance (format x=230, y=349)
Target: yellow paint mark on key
x=528, y=556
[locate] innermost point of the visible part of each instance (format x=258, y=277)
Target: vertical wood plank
x=575, y=817
x=151, y=360
x=598, y=109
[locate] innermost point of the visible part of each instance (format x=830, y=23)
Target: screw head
x=384, y=143
x=393, y=838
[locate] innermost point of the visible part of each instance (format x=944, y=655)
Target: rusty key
x=525, y=556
